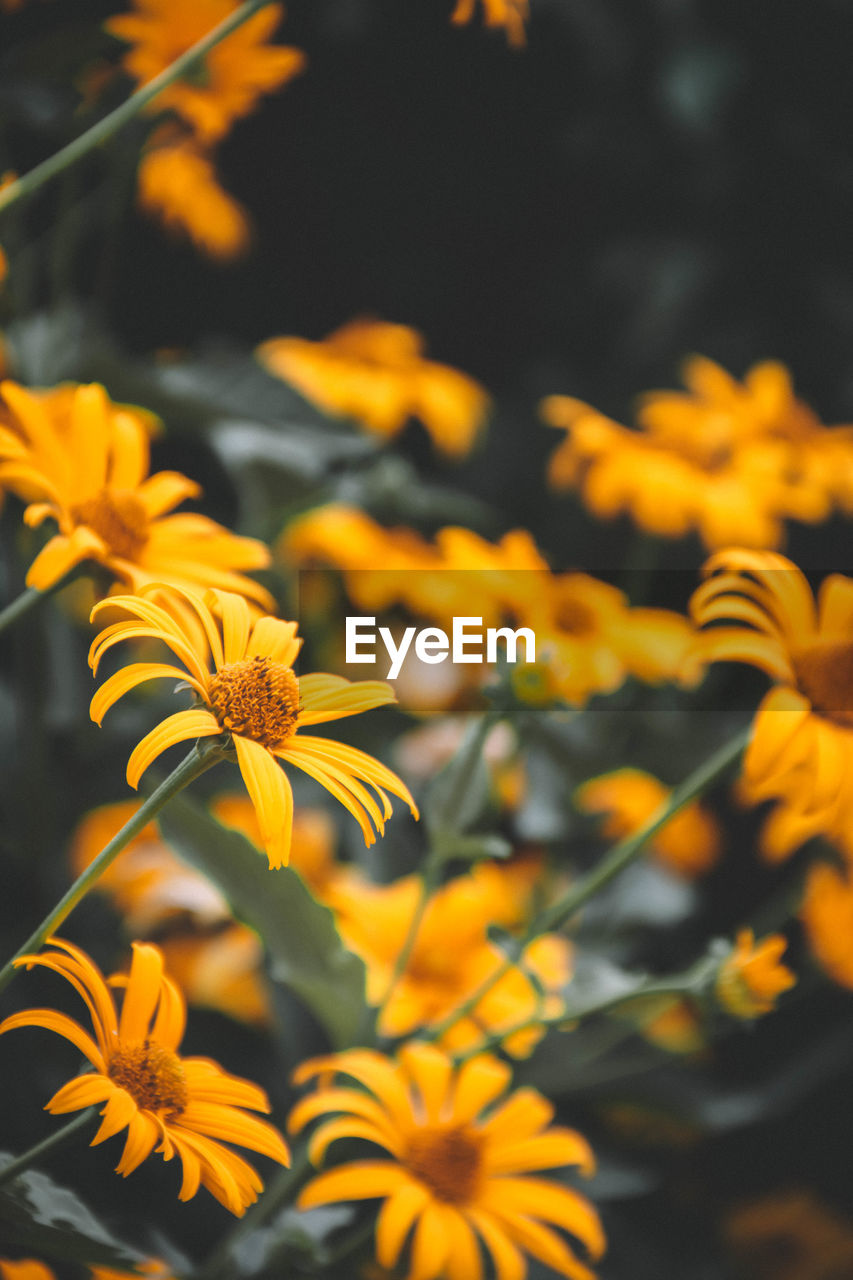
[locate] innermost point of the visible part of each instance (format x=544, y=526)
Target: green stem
x=619, y=857
x=196, y=763
x=279, y=1192
x=428, y=882
x=104, y=129
x=32, y=597
x=54, y=1140
x=686, y=984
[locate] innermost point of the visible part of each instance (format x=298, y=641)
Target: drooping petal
x=395, y=1221
x=271, y=796
x=360, y=1180
x=128, y=678
x=62, y=1025
x=180, y=727
x=62, y=554
x=326, y=697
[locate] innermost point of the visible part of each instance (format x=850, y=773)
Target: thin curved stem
x=43, y=1148
x=199, y=760
x=32, y=597
x=619, y=857
x=104, y=129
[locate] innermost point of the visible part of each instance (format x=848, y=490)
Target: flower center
x=574, y=618
x=117, y=517
x=256, y=698
x=825, y=675
x=153, y=1076
x=448, y=1160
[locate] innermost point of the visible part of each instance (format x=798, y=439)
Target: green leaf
x=305, y=949
x=39, y=1216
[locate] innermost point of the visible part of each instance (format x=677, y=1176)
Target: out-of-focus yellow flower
x=592, y=639
x=253, y=695
x=181, y=1106
x=376, y=372
x=759, y=609
x=588, y=638
x=790, y=1235
x=221, y=969
x=670, y=1024
x=689, y=844
x=459, y=1155
x=452, y=956
x=235, y=73
x=732, y=460
x=827, y=915
x=178, y=185
x=751, y=977
x=509, y=14
x=82, y=461
x=25, y=1268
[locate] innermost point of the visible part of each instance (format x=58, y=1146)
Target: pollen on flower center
x=152, y=1075
x=825, y=675
x=256, y=698
x=448, y=1160
x=119, y=518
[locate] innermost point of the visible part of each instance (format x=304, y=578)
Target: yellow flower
x=592, y=639
x=235, y=73
x=801, y=750
x=751, y=977
x=460, y=1159
x=733, y=461
x=452, y=956
x=689, y=844
x=827, y=915
x=510, y=14
x=178, y=185
x=221, y=969
x=790, y=1235
x=252, y=694
x=82, y=461
x=25, y=1268
x=376, y=373
x=181, y=1106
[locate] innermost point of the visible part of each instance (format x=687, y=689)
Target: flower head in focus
x=182, y=1107
x=252, y=694
x=234, y=75
x=758, y=608
x=509, y=14
x=751, y=977
x=460, y=1152
x=82, y=461
x=377, y=373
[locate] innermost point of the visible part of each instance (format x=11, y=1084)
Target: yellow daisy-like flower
x=751, y=978
x=732, y=460
x=688, y=844
x=376, y=372
x=452, y=956
x=178, y=185
x=460, y=1155
x=30, y=1269
x=183, y=1107
x=509, y=14
x=235, y=74
x=253, y=695
x=82, y=461
x=760, y=610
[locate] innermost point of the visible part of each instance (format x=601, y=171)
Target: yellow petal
x=271, y=795
x=176, y=728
